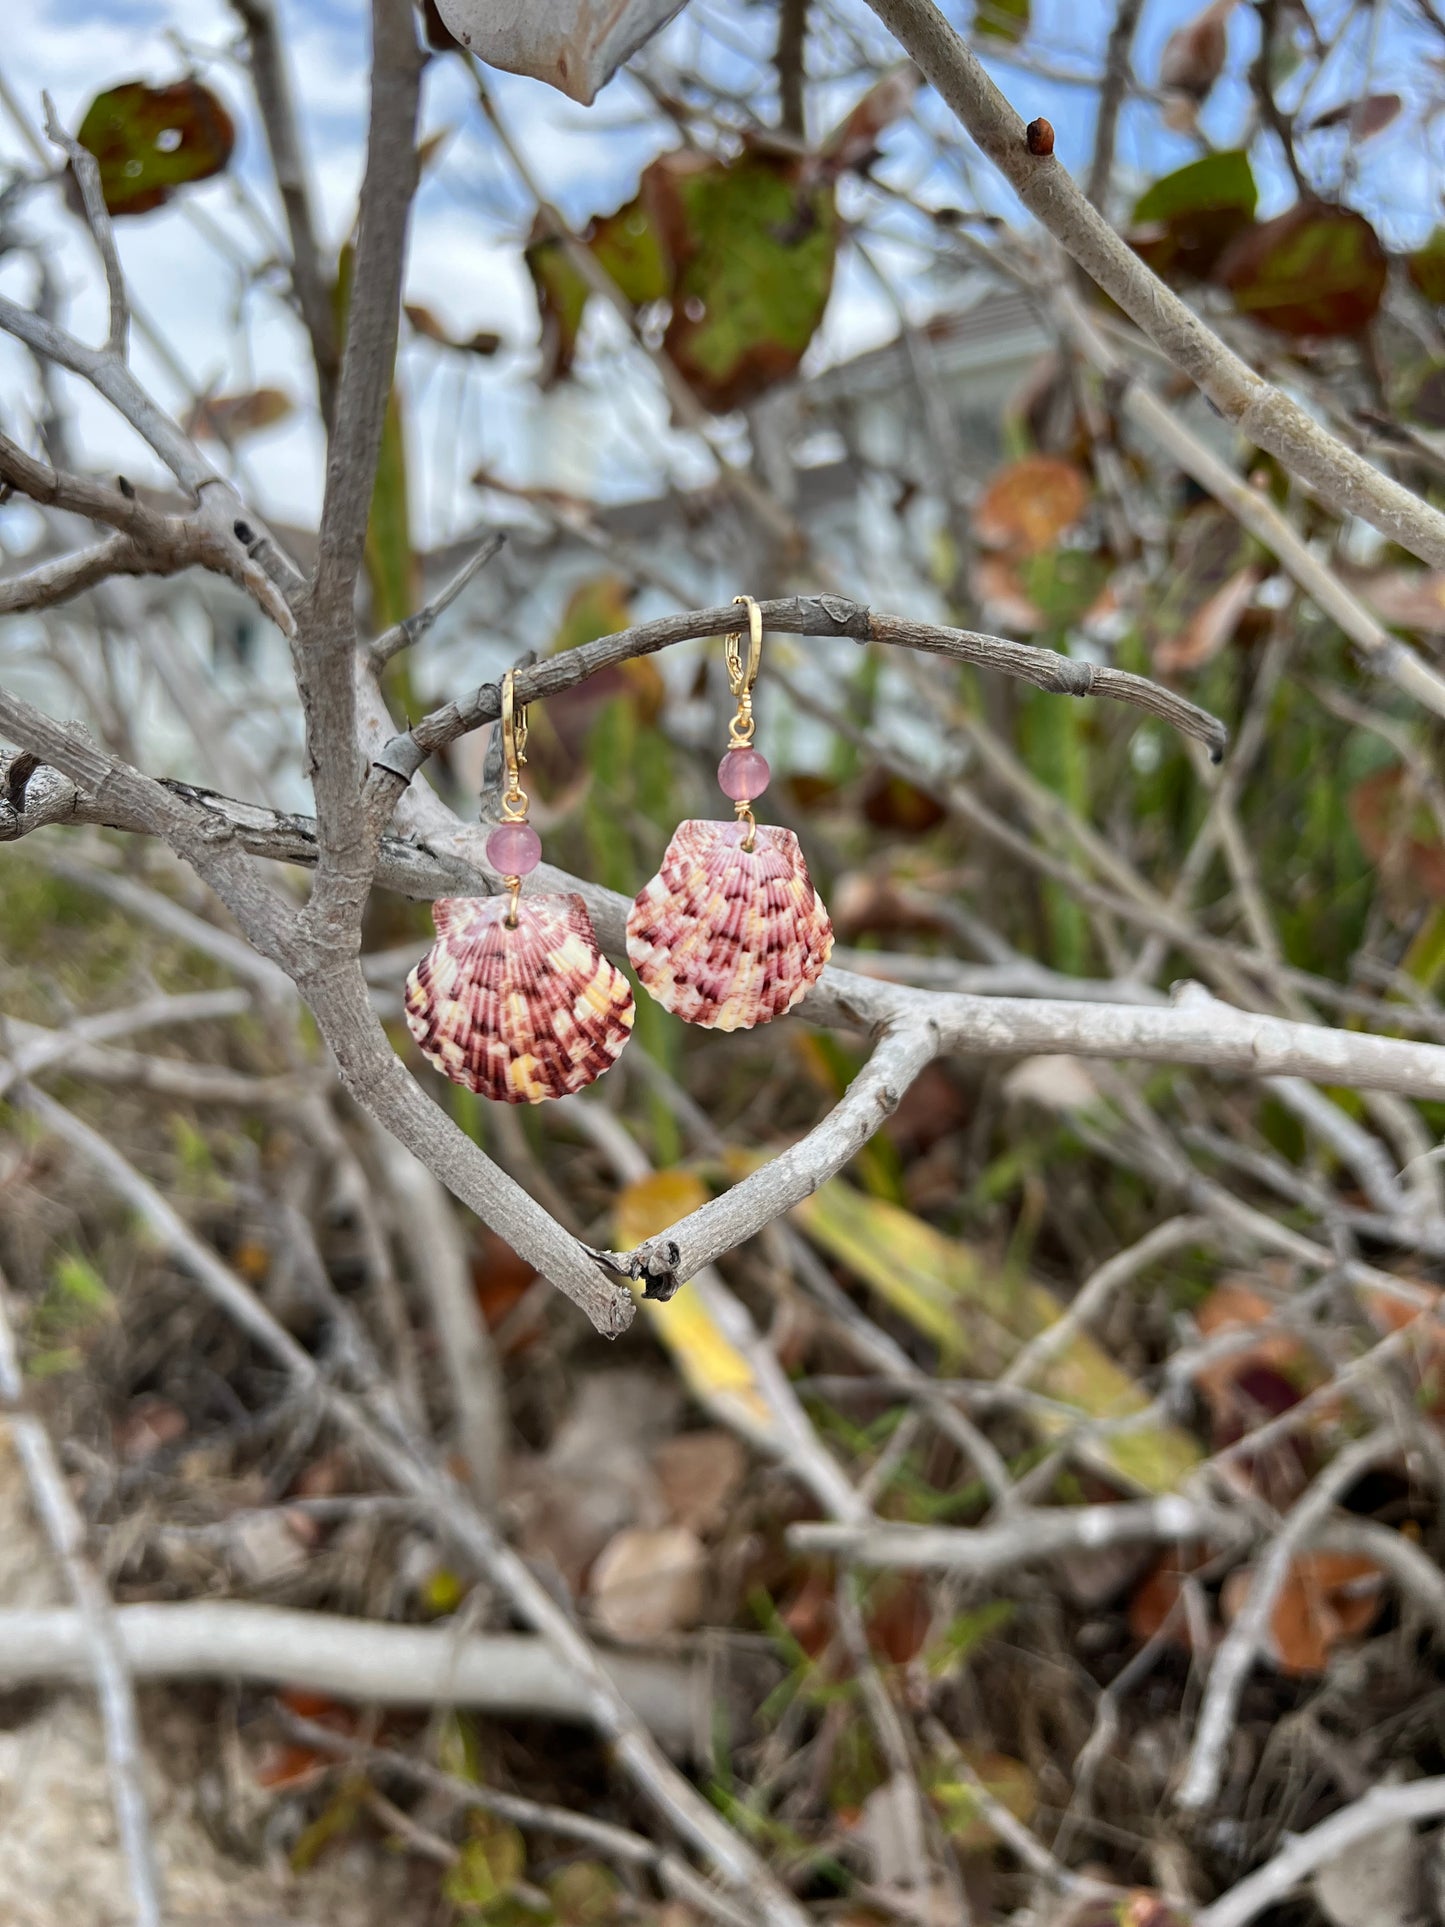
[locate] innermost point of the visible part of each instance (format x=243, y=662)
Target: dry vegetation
x=997, y=1474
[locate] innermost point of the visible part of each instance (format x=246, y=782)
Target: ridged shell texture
x=728, y=937
x=518, y=1015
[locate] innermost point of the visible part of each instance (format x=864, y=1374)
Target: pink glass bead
x=514, y=849
x=743, y=774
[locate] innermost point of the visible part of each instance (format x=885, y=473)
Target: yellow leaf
x=980, y=1316
x=713, y=1368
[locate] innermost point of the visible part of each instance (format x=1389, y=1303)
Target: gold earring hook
x=514, y=797
x=742, y=675
x=514, y=750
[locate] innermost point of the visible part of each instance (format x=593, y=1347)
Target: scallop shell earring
x=515, y=999
x=730, y=932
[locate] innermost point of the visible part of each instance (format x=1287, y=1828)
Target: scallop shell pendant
x=728, y=937
x=518, y=1014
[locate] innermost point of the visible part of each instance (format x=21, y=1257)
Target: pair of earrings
x=515, y=1000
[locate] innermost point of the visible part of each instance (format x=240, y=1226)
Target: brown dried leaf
x=1364, y=118
x=1408, y=598
x=227, y=418
x=854, y=142
x=1194, y=54
x=647, y=1583
x=1211, y=626
x=699, y=1472
x=1397, y=832
x=1327, y=1597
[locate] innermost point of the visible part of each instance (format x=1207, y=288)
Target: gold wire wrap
x=741, y=677
x=514, y=797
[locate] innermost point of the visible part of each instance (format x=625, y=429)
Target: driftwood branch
x=802, y=616
x=511, y=1675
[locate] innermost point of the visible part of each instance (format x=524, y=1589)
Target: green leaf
x=149, y=141
x=755, y=245
x=744, y=250
x=631, y=247
x=561, y=300
x=1426, y=267
x=1313, y=270
x=1183, y=223
x=1006, y=20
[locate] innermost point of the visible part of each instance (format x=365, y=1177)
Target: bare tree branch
x=1024, y=1539
x=513, y=1675
x=310, y=279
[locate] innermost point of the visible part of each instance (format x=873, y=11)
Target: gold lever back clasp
x=514, y=797
x=742, y=674
x=514, y=750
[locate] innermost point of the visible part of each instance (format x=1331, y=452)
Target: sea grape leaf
x=573, y=45
x=743, y=249
x=754, y=244
x=1183, y=223
x=1313, y=270
x=148, y=141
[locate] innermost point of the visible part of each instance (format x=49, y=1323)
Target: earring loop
x=741, y=676
x=514, y=750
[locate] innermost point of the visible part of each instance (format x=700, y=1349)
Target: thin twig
x=99, y=1649
x=1246, y=1636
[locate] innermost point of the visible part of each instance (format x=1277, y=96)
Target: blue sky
x=611, y=433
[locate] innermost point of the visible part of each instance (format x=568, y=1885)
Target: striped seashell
x=518, y=1015
x=728, y=937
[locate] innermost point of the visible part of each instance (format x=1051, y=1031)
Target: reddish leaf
x=1156, y=1601
x=1364, y=118
x=898, y=1617
x=1003, y=601
x=1028, y=505
x=1211, y=626
x=893, y=803
x=1327, y=1597
x=426, y=323
x=1397, y=832
x=499, y=1277
x=1313, y=270
x=1194, y=54
x=854, y=142
x=149, y=141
